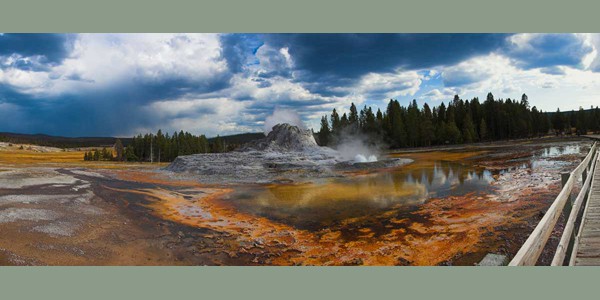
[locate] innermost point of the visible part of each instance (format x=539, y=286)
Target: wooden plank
x=590, y=234
x=587, y=261
x=588, y=240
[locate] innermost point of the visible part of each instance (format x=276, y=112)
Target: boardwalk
x=579, y=244
x=587, y=249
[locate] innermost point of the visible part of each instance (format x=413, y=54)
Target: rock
x=284, y=137
x=401, y=261
x=491, y=260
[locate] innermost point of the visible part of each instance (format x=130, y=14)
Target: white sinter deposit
x=286, y=153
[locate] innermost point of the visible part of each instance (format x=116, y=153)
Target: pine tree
x=324, y=133
x=468, y=130
x=353, y=118
x=427, y=130
x=483, y=130
x=558, y=122
x=344, y=123
x=218, y=145
x=581, y=122
x=119, y=150
x=130, y=154
x=412, y=123
x=453, y=133
x=335, y=122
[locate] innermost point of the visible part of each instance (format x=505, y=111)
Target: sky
x=125, y=84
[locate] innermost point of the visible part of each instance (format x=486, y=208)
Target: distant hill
x=238, y=139
x=59, y=141
x=76, y=142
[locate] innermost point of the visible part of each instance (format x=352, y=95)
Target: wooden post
x=564, y=178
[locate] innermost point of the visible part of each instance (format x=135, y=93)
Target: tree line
x=461, y=121
x=96, y=155
x=161, y=147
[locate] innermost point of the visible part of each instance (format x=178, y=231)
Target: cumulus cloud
x=547, y=50
x=592, y=61
x=442, y=94
x=218, y=115
x=389, y=85
x=548, y=88
x=100, y=61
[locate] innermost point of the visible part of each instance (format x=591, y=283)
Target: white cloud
x=495, y=73
x=273, y=60
x=592, y=61
x=25, y=81
x=442, y=94
x=389, y=85
x=210, y=116
x=101, y=60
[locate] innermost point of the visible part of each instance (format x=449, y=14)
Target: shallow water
x=438, y=174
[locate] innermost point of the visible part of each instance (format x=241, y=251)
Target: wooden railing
x=534, y=245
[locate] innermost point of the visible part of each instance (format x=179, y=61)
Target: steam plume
x=283, y=116
x=356, y=148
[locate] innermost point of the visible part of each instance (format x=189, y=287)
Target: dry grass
x=30, y=157
x=65, y=159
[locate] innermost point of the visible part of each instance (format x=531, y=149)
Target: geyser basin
x=286, y=153
x=331, y=202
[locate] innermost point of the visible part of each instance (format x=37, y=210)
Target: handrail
x=534, y=245
x=561, y=249
x=587, y=205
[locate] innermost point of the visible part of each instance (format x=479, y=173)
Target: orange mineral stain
x=454, y=226
x=271, y=218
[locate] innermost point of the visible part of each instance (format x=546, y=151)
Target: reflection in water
x=445, y=207
x=339, y=201
x=544, y=156
x=560, y=150
x=318, y=205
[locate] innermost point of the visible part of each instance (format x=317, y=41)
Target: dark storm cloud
x=95, y=115
x=53, y=47
x=112, y=111
x=353, y=55
x=238, y=50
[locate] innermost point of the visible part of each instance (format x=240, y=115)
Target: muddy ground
x=75, y=213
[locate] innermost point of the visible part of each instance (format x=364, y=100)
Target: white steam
x=283, y=116
x=359, y=158
x=354, y=148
